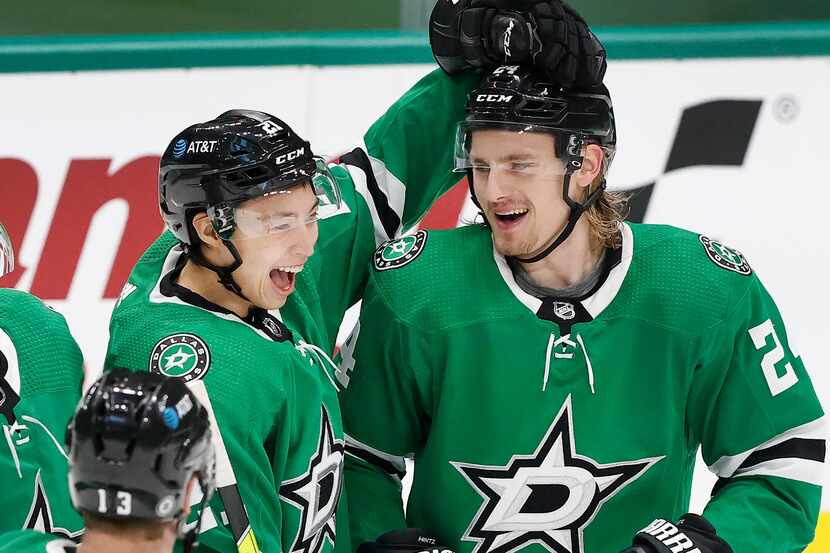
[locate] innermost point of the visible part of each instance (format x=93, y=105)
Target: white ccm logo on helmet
x=499, y=98
x=290, y=156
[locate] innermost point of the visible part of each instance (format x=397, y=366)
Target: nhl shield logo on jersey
x=397, y=253
x=184, y=356
x=548, y=497
x=724, y=256
x=564, y=310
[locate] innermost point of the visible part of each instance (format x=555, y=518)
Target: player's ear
x=204, y=230
x=187, y=493
x=592, y=160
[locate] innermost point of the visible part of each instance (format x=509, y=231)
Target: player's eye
x=521, y=166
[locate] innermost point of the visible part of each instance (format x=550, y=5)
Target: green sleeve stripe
x=77, y=53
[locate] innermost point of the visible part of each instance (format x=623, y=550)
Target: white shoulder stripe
x=391, y=185
x=362, y=188
x=803, y=470
x=727, y=466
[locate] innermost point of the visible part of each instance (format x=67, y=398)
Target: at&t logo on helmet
x=201, y=147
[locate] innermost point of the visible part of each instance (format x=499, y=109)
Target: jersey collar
x=567, y=311
x=267, y=324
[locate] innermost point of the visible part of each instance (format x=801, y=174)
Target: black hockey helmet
x=216, y=165
x=135, y=442
x=6, y=252
x=521, y=99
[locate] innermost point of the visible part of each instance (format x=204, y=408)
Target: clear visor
x=6, y=252
x=284, y=210
x=515, y=148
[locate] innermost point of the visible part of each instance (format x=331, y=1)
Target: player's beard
x=514, y=247
x=525, y=246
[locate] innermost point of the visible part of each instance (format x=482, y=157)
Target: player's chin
x=271, y=297
x=507, y=248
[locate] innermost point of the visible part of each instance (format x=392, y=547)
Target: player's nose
x=306, y=239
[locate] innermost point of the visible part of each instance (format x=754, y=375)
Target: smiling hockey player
x=553, y=370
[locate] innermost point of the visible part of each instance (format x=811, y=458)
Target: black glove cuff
x=691, y=531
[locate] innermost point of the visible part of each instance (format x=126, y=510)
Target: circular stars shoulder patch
x=725, y=257
x=397, y=253
x=184, y=356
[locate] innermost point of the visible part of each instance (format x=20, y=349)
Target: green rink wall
x=62, y=17
x=101, y=52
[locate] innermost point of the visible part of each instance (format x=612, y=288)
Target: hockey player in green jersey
x=241, y=195
x=554, y=370
x=41, y=374
x=140, y=446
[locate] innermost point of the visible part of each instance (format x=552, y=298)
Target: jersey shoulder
x=438, y=279
x=146, y=270
x=36, y=340
x=685, y=279
x=32, y=541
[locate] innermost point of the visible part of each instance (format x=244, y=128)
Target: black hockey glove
x=692, y=533
x=487, y=33
x=405, y=540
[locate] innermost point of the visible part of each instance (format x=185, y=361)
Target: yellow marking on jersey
x=822, y=541
x=247, y=543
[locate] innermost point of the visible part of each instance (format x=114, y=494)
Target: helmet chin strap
x=221, y=218
x=576, y=211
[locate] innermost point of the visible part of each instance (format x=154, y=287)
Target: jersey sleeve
x=406, y=162
x=41, y=375
x=385, y=414
x=761, y=429
x=389, y=183
x=33, y=541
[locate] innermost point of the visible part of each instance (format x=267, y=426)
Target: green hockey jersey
x=41, y=374
x=568, y=425
x=29, y=541
x=278, y=426
x=288, y=480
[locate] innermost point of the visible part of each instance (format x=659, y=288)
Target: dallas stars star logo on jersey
x=397, y=253
x=184, y=356
x=40, y=514
x=316, y=493
x=547, y=498
x=724, y=256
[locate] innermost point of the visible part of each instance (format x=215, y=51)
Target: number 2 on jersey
x=776, y=383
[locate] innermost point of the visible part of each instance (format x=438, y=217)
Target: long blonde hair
x=605, y=215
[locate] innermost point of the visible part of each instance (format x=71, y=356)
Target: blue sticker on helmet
x=171, y=418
